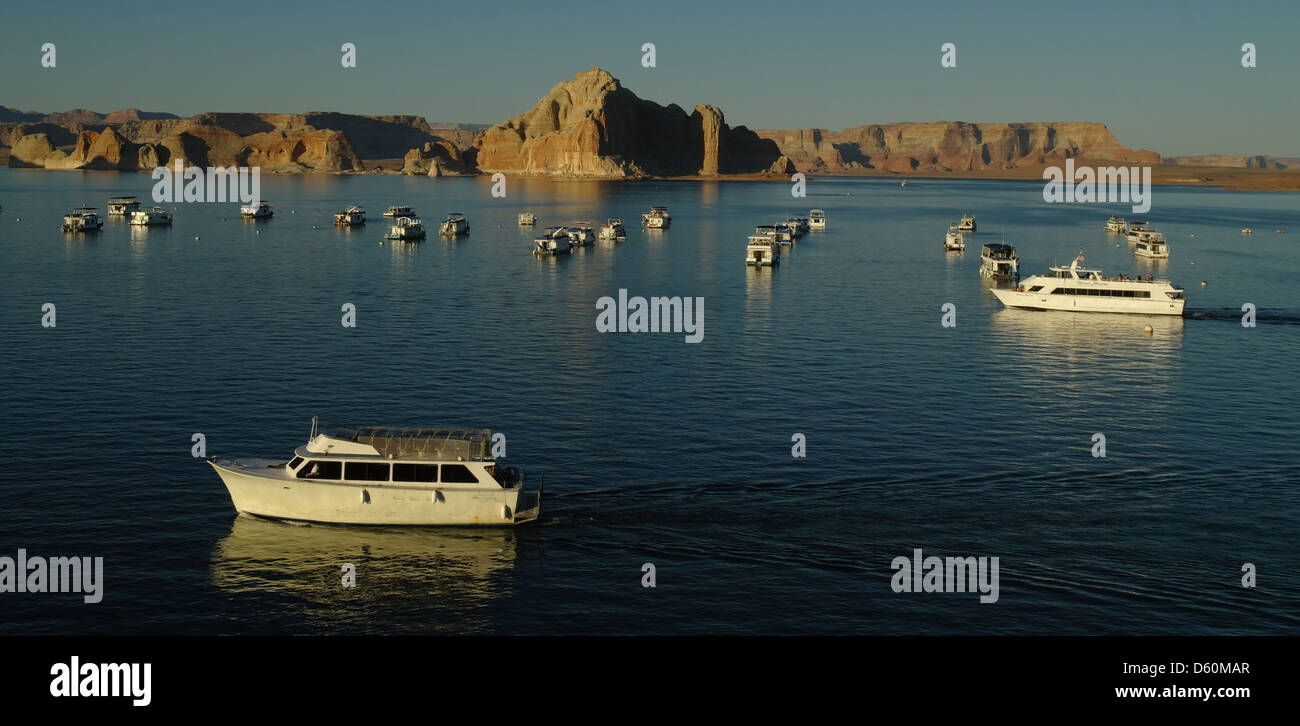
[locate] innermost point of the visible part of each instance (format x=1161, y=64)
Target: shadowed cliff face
x=951, y=146
x=592, y=126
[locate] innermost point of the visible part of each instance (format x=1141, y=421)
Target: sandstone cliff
x=1241, y=162
x=951, y=146
x=591, y=126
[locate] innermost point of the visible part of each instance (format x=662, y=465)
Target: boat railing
x=424, y=442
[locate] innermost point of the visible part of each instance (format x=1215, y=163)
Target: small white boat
x=527, y=219
x=455, y=224
x=550, y=245
x=762, y=251
x=122, y=206
x=1116, y=225
x=406, y=229
x=1136, y=230
x=353, y=216
x=1248, y=230
x=817, y=219
x=798, y=225
x=155, y=217
x=1077, y=289
x=581, y=234
x=999, y=261
x=613, y=229
x=967, y=223
x=1152, y=244
x=384, y=476
x=82, y=219
x=784, y=235
x=905, y=183
x=398, y=210
x=657, y=218
x=954, y=240
x=261, y=210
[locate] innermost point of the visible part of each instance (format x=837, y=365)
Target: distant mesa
x=1242, y=162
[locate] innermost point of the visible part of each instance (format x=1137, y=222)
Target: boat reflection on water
x=407, y=579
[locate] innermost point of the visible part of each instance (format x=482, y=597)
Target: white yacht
x=999, y=261
x=967, y=223
x=1247, y=230
x=383, y=476
x=657, y=218
x=82, y=219
x=398, y=210
x=353, y=216
x=527, y=219
x=454, y=224
x=817, y=219
x=1116, y=225
x=1152, y=244
x=122, y=206
x=613, y=229
x=406, y=229
x=550, y=245
x=581, y=234
x=1137, y=230
x=954, y=240
x=1078, y=289
x=762, y=251
x=155, y=217
x=261, y=210
x=905, y=183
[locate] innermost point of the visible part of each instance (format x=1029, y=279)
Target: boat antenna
x=313, y=429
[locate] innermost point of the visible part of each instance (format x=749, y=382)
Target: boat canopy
x=418, y=441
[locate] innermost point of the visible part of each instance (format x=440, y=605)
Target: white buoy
x=196, y=237
x=1149, y=330
x=1204, y=283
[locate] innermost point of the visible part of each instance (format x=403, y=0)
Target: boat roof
x=999, y=247
x=121, y=199
x=815, y=212
x=414, y=442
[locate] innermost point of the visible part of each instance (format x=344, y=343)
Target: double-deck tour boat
x=967, y=223
x=122, y=206
x=455, y=224
x=954, y=240
x=155, y=217
x=399, y=210
x=999, y=261
x=384, y=476
x=817, y=219
x=762, y=251
x=1077, y=289
x=657, y=218
x=1116, y=225
x=82, y=219
x=353, y=216
x=1136, y=230
x=613, y=229
x=406, y=229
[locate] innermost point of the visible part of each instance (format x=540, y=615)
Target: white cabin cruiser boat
x=657, y=218
x=550, y=245
x=784, y=235
x=999, y=262
x=1116, y=225
x=384, y=476
x=613, y=229
x=1151, y=244
x=82, y=219
x=817, y=219
x=527, y=219
x=122, y=206
x=406, y=229
x=455, y=224
x=1078, y=289
x=155, y=217
x=762, y=251
x=398, y=210
x=353, y=216
x=954, y=240
x=967, y=223
x=261, y=210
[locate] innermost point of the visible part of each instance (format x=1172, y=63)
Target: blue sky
x=1165, y=76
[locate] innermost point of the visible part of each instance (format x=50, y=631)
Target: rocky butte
x=591, y=126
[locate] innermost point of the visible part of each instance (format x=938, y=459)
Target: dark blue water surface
x=973, y=440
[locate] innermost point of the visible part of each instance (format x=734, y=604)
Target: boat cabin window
x=294, y=464
x=365, y=471
x=458, y=474
x=1036, y=288
x=321, y=470
x=415, y=472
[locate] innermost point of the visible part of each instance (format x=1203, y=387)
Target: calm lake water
x=974, y=440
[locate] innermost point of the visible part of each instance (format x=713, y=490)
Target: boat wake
x=1262, y=315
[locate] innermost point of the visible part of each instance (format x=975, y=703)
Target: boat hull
x=1088, y=303
x=366, y=503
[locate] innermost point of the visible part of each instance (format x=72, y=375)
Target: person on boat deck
x=315, y=470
